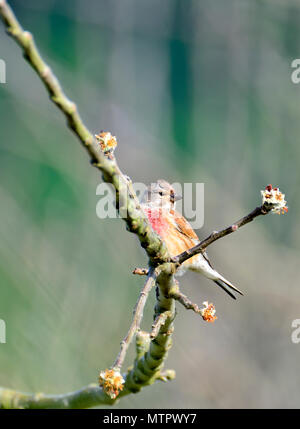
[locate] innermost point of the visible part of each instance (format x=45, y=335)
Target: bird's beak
x=175, y=197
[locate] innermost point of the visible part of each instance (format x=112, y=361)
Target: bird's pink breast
x=164, y=225
x=157, y=221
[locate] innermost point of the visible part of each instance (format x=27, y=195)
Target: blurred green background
x=195, y=91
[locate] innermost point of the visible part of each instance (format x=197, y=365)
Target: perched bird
x=158, y=204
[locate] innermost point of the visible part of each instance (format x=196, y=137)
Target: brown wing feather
x=184, y=227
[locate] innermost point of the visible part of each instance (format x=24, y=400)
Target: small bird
x=158, y=203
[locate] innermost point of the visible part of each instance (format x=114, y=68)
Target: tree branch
x=151, y=355
x=137, y=317
x=159, y=321
x=216, y=235
x=136, y=220
x=186, y=302
x=89, y=396
x=153, y=348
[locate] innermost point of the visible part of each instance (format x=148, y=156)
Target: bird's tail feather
x=226, y=286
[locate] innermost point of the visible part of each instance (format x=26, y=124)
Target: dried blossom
x=107, y=142
x=274, y=200
x=112, y=382
x=208, y=312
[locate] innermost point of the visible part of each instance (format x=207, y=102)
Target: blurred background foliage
x=196, y=91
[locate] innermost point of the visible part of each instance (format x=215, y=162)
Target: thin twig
x=159, y=321
x=185, y=301
x=216, y=235
x=140, y=271
x=148, y=366
x=137, y=317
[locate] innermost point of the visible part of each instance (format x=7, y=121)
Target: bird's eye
x=161, y=194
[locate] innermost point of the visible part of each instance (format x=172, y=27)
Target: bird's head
x=161, y=194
